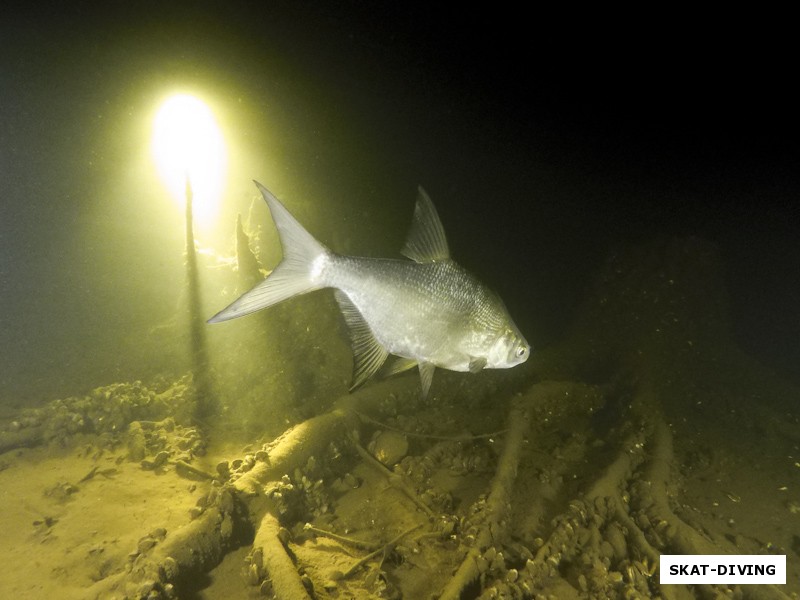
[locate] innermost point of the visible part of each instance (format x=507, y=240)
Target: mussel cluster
x=105, y=410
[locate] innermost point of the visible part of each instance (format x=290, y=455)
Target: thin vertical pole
x=197, y=334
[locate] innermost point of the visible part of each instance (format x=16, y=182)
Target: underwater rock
x=223, y=470
x=389, y=447
x=145, y=544
x=159, y=461
x=248, y=463
x=136, y=442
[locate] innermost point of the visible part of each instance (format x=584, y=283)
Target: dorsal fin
x=426, y=241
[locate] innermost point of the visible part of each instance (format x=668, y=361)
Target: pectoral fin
x=368, y=354
x=477, y=364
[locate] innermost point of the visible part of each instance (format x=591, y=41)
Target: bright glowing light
x=187, y=140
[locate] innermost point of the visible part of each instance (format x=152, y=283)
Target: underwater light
x=187, y=142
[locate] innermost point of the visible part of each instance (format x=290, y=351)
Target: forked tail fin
x=298, y=272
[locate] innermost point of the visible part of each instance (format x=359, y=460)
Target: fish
x=427, y=312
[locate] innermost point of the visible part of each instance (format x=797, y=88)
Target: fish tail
x=299, y=272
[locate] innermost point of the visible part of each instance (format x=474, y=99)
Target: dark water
x=543, y=149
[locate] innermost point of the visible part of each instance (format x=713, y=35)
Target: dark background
x=545, y=140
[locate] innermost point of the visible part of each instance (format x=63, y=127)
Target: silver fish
x=430, y=312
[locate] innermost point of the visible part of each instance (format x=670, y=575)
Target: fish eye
x=521, y=351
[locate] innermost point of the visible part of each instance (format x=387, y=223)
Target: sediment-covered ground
x=646, y=431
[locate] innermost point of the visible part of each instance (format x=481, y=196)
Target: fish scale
x=427, y=303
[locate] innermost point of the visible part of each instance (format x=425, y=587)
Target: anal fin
x=426, y=370
x=398, y=365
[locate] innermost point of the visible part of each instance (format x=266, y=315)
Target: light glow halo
x=188, y=142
